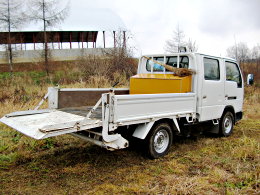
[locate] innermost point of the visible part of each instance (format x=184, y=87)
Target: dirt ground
x=197, y=165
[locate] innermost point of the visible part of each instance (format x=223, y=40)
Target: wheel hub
x=227, y=124
x=161, y=141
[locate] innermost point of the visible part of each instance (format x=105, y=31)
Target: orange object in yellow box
x=159, y=83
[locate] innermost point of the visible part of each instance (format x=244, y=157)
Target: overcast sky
x=214, y=24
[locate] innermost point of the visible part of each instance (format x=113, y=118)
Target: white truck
x=110, y=117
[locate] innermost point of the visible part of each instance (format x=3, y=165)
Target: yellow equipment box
x=159, y=83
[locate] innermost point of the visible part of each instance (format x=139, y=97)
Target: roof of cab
x=195, y=53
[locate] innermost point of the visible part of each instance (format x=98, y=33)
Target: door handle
x=204, y=97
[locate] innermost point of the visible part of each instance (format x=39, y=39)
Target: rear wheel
x=159, y=140
x=226, y=124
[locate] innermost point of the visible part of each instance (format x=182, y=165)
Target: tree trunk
x=10, y=54
x=46, y=62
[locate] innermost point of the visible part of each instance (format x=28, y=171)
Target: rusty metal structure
x=60, y=37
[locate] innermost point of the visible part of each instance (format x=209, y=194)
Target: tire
x=226, y=124
x=159, y=140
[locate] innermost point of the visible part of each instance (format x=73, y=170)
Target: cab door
x=234, y=90
x=212, y=92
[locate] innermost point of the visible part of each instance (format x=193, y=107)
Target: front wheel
x=226, y=124
x=159, y=140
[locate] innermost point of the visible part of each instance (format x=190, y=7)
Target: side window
x=233, y=73
x=211, y=69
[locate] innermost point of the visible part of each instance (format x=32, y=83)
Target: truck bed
x=119, y=109
x=83, y=111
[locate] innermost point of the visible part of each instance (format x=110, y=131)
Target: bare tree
x=114, y=63
x=256, y=56
x=178, y=41
x=256, y=52
x=239, y=51
x=192, y=45
x=121, y=54
x=11, y=17
x=50, y=13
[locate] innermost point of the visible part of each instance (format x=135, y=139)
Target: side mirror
x=250, y=79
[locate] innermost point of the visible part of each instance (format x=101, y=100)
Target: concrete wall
x=24, y=56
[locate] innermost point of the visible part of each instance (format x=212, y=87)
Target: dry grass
x=67, y=165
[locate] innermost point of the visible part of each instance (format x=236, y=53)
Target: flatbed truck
x=110, y=118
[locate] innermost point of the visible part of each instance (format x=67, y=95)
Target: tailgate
x=40, y=124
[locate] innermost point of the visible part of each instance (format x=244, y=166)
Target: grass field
x=67, y=165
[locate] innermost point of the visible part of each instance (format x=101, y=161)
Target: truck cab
x=217, y=82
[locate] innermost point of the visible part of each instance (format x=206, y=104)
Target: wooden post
x=104, y=39
x=114, y=32
x=70, y=40
x=82, y=39
x=124, y=40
